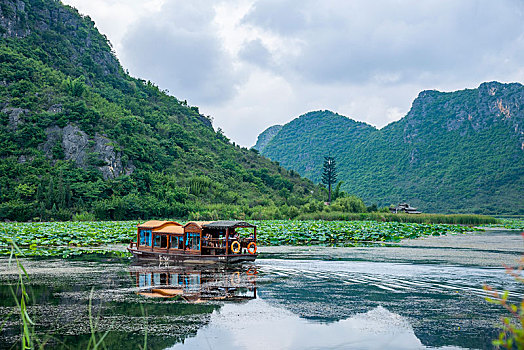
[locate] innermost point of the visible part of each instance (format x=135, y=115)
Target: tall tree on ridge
x=329, y=174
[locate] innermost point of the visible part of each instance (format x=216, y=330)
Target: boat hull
x=164, y=258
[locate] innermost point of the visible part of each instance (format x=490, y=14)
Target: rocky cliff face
x=13, y=17
x=266, y=136
x=15, y=116
x=19, y=19
x=98, y=151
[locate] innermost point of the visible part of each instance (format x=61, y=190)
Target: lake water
x=422, y=294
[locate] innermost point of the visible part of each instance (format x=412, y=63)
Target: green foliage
x=84, y=216
x=166, y=159
x=75, y=87
x=350, y=204
x=338, y=192
x=453, y=152
x=510, y=224
x=329, y=173
x=456, y=219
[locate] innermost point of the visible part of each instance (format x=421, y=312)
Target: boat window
x=193, y=241
x=177, y=242
x=145, y=237
x=160, y=241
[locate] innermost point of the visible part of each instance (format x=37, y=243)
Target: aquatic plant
x=295, y=232
x=27, y=330
x=70, y=239
x=95, y=342
x=72, y=234
x=28, y=338
x=510, y=224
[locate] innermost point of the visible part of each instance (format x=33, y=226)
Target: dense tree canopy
x=80, y=137
x=453, y=152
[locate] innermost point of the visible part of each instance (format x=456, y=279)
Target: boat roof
x=198, y=223
x=220, y=224
x=227, y=224
x=170, y=229
x=157, y=223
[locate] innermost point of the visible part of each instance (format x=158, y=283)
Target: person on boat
x=207, y=239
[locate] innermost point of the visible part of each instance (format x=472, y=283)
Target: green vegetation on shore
x=458, y=219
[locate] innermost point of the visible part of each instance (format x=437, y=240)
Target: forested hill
x=459, y=151
x=79, y=135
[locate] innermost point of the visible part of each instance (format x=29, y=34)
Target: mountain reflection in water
x=275, y=304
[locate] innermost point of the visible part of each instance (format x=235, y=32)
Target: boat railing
x=214, y=242
x=221, y=242
x=133, y=245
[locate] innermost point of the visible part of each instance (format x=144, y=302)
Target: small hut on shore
x=404, y=208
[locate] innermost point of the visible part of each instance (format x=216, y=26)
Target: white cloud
x=181, y=51
x=251, y=64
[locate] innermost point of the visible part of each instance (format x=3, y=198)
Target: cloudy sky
x=252, y=64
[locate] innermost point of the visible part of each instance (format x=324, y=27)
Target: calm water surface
x=295, y=298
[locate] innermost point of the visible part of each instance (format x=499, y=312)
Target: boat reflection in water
x=196, y=283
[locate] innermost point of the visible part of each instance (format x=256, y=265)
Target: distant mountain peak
x=459, y=151
x=266, y=136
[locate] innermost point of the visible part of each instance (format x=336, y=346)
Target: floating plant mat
x=68, y=239
x=294, y=232
x=509, y=224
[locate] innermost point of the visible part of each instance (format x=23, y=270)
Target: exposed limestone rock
x=75, y=143
x=266, y=136
x=23, y=158
x=15, y=116
x=55, y=109
x=78, y=147
x=104, y=147
x=54, y=135
x=12, y=19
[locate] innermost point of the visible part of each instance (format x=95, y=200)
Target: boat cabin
x=195, y=238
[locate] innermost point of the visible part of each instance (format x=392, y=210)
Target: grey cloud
x=256, y=53
x=361, y=41
x=179, y=50
x=284, y=17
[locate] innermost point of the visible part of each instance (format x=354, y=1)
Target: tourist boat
x=196, y=283
x=197, y=242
